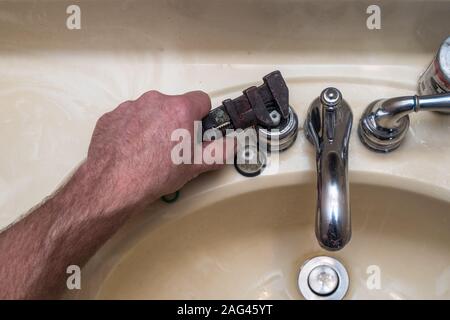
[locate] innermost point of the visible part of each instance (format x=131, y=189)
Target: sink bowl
x=251, y=246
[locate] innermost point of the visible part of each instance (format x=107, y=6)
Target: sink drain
x=323, y=278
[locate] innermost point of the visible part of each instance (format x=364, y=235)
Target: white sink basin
x=252, y=245
x=230, y=236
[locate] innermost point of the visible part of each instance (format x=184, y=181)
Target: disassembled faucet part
x=250, y=161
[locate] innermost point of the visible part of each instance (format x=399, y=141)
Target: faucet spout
x=328, y=126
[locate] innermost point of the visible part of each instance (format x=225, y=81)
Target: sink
x=251, y=246
x=228, y=236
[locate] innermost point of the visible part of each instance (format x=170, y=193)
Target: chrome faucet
x=384, y=123
x=328, y=125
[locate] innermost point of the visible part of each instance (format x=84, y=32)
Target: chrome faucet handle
x=384, y=123
x=327, y=126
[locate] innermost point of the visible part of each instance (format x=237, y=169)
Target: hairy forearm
x=128, y=165
x=65, y=230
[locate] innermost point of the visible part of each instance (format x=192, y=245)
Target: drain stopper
x=323, y=278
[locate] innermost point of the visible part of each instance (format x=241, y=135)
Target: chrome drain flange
x=323, y=278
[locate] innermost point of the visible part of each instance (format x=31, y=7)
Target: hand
x=130, y=150
x=128, y=165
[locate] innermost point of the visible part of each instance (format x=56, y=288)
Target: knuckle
x=201, y=95
x=124, y=105
x=202, y=98
x=102, y=124
x=152, y=94
x=104, y=118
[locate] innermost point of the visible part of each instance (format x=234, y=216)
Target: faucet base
x=376, y=137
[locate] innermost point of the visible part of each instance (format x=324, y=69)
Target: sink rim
x=246, y=185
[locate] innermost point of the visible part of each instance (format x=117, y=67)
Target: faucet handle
x=329, y=119
x=331, y=100
x=384, y=123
